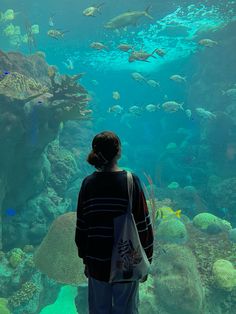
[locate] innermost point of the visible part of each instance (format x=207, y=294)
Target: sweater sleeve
x=142, y=219
x=81, y=227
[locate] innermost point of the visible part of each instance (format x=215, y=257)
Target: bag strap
x=130, y=190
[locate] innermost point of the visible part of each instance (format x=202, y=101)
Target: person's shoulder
x=136, y=179
x=135, y=176
x=87, y=179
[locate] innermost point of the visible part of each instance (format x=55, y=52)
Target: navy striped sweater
x=102, y=197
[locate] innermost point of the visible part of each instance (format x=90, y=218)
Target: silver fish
x=127, y=18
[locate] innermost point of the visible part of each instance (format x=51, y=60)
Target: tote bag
x=129, y=261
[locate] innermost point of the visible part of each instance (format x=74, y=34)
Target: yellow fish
x=166, y=212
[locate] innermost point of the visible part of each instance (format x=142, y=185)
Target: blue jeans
x=113, y=298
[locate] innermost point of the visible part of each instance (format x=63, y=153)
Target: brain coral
x=224, y=274
x=204, y=220
x=171, y=230
x=57, y=256
x=178, y=284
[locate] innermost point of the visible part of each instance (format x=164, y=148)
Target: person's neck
x=112, y=168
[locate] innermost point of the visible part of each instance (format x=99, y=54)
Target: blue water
x=194, y=153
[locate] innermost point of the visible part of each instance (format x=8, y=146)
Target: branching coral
x=69, y=97
x=23, y=295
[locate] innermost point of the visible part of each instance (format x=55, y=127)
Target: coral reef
x=33, y=105
x=204, y=221
x=16, y=257
x=223, y=193
x=209, y=248
x=147, y=296
x=63, y=166
x=232, y=235
x=224, y=274
x=3, y=306
x=23, y=295
x=17, y=86
x=177, y=277
x=28, y=248
x=172, y=231
x=193, y=262
x=57, y=254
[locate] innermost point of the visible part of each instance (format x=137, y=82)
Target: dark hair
x=105, y=147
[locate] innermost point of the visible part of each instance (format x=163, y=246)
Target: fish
x=10, y=212
x=178, y=78
x=116, y=95
x=52, y=71
x=166, y=212
x=56, y=33
x=95, y=82
x=135, y=110
x=230, y=93
x=117, y=109
x=127, y=18
x=138, y=77
x=231, y=151
x=172, y=106
x=98, y=46
x=152, y=107
x=188, y=113
x=207, y=42
x=125, y=47
x=51, y=20
x=205, y=113
x=85, y=112
x=225, y=212
x=93, y=10
x=153, y=83
x=69, y=64
x=2, y=75
x=141, y=56
x=160, y=52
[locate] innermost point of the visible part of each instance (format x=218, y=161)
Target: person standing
x=103, y=196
